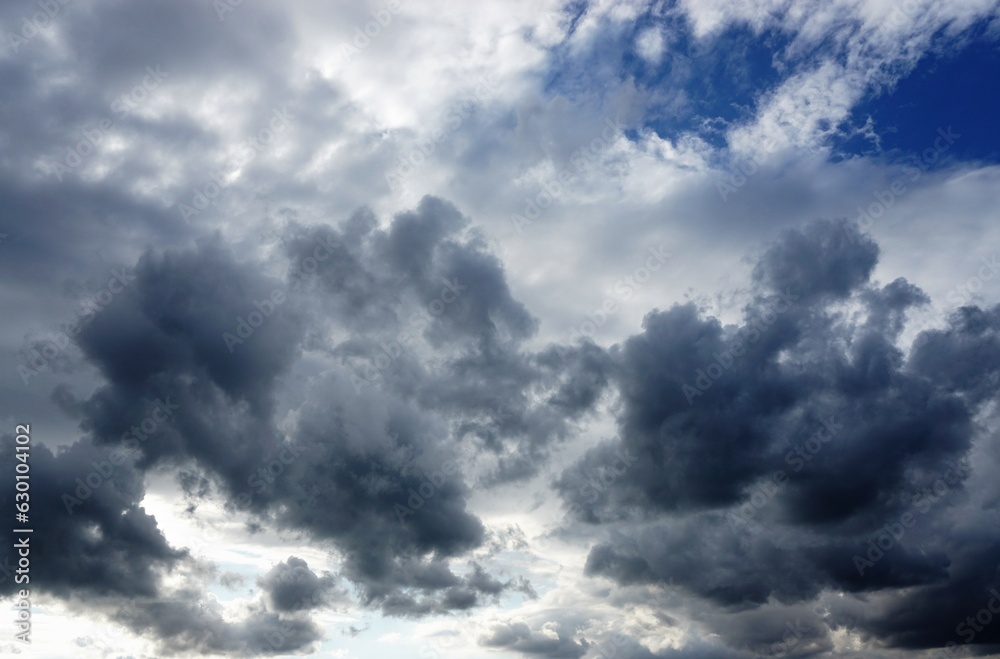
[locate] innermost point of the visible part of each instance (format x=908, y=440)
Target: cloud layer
x=516, y=329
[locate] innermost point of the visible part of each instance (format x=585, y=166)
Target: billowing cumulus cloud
x=292, y=586
x=801, y=451
x=548, y=642
x=191, y=355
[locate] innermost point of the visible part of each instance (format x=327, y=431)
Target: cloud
x=755, y=462
x=830, y=431
x=549, y=641
x=191, y=355
x=92, y=533
x=292, y=586
x=190, y=623
x=361, y=362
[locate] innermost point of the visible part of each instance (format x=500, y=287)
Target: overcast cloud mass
x=500, y=329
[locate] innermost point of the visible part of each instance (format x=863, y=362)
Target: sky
x=500, y=329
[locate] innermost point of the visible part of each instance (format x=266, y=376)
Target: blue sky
x=949, y=88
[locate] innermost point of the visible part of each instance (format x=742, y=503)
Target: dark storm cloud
x=782, y=446
x=965, y=356
x=386, y=488
x=520, y=637
x=175, y=317
x=494, y=393
x=191, y=353
x=695, y=649
x=292, y=586
x=96, y=542
x=358, y=462
x=705, y=406
x=429, y=283
x=102, y=103
x=428, y=354
x=429, y=257
x=163, y=340
x=963, y=609
x=830, y=258
x=172, y=393
x=189, y=623
x=161, y=344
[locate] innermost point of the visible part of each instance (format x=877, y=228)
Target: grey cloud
x=776, y=466
x=830, y=258
x=292, y=586
x=162, y=348
x=191, y=623
x=535, y=643
x=92, y=535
